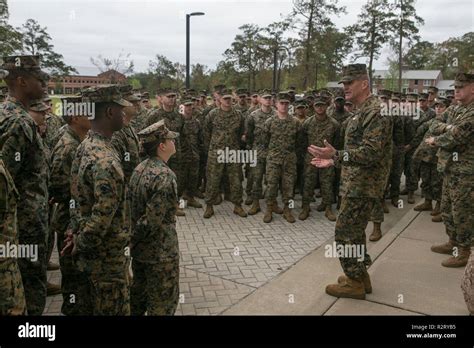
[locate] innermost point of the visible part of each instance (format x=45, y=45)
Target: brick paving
x=226, y=257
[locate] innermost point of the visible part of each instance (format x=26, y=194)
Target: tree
x=122, y=64
x=420, y=55
x=36, y=41
x=10, y=37
x=404, y=28
x=313, y=16
x=199, y=77
x=372, y=30
x=163, y=70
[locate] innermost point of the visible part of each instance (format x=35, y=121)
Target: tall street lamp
x=188, y=16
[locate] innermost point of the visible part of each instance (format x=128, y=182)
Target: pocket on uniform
x=111, y=298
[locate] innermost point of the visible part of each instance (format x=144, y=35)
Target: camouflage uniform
x=364, y=161
x=314, y=132
x=174, y=121
x=127, y=145
x=223, y=129
x=53, y=123
x=203, y=160
x=256, y=141
x=23, y=152
x=155, y=248
x=74, y=285
x=100, y=216
x=140, y=121
x=12, y=295
x=281, y=136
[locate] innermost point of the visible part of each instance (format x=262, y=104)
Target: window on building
x=415, y=83
x=427, y=83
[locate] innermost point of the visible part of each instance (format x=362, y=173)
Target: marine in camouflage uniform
x=281, y=133
x=243, y=107
x=155, y=248
x=23, y=153
x=192, y=148
x=53, y=124
x=364, y=160
x=174, y=121
x=301, y=110
x=256, y=142
x=12, y=295
x=74, y=284
x=139, y=122
x=223, y=129
x=455, y=143
x=101, y=232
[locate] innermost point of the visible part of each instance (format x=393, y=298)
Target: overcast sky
x=144, y=28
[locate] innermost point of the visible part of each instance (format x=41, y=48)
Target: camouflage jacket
x=456, y=143
x=24, y=155
x=192, y=142
x=127, y=145
x=281, y=136
x=60, y=183
x=425, y=116
x=255, y=126
x=8, y=208
x=425, y=152
x=314, y=132
x=53, y=123
x=140, y=120
x=367, y=153
x=223, y=129
x=339, y=116
x=153, y=194
x=98, y=190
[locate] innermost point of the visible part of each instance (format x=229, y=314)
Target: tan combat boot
x=446, y=248
x=321, y=207
x=350, y=288
x=365, y=280
x=411, y=197
x=255, y=208
x=304, y=212
x=460, y=260
x=239, y=210
x=287, y=215
x=376, y=233
x=437, y=218
x=193, y=203
x=437, y=209
x=329, y=214
x=268, y=213
x=180, y=212
x=276, y=209
x=425, y=206
x=209, y=211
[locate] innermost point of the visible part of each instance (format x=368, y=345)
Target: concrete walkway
x=407, y=278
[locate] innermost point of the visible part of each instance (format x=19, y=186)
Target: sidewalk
x=407, y=278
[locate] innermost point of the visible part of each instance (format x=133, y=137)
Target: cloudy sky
x=144, y=28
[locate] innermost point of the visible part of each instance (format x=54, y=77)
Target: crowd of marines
x=109, y=187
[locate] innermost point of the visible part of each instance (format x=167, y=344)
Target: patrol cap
x=450, y=93
x=308, y=95
x=396, y=96
x=423, y=96
x=385, y=93
x=38, y=105
x=265, y=93
x=284, y=97
x=442, y=101
x=104, y=94
x=412, y=97
x=463, y=78
x=254, y=94
x=339, y=94
x=203, y=93
x=29, y=64
x=167, y=91
x=348, y=102
x=242, y=92
x=433, y=89
x=226, y=93
x=353, y=72
x=145, y=96
x=127, y=93
x=157, y=132
x=300, y=104
x=187, y=101
x=321, y=100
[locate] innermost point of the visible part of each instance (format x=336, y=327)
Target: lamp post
x=188, y=16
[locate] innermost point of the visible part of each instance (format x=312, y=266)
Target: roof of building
x=410, y=74
x=444, y=85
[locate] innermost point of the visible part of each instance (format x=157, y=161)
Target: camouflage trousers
x=284, y=171
x=411, y=171
x=257, y=174
x=326, y=180
x=215, y=175
x=398, y=159
x=155, y=288
x=300, y=174
x=431, y=181
x=457, y=207
x=12, y=295
x=109, y=293
x=249, y=176
x=350, y=231
x=337, y=181
x=377, y=215
x=202, y=171
x=190, y=178
x=177, y=168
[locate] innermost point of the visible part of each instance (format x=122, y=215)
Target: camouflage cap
x=321, y=100
x=219, y=88
x=104, y=94
x=187, y=101
x=157, y=132
x=166, y=91
x=308, y=95
x=203, y=93
x=254, y=94
x=226, y=93
x=348, y=102
x=300, y=104
x=339, y=94
x=423, y=96
x=463, y=79
x=3, y=90
x=145, y=96
x=265, y=93
x=433, y=89
x=127, y=93
x=284, y=97
x=385, y=93
x=412, y=97
x=325, y=93
x=242, y=92
x=353, y=72
x=27, y=63
x=450, y=93
x=443, y=101
x=38, y=106
x=396, y=96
